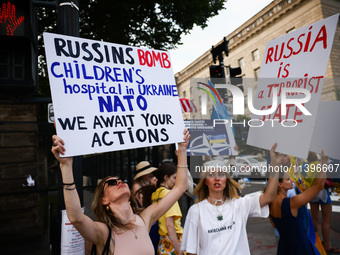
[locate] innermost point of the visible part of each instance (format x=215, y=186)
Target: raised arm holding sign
x=112, y=208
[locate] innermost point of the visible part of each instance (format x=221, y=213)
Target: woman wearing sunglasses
x=119, y=228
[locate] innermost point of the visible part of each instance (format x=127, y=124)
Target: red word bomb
x=152, y=58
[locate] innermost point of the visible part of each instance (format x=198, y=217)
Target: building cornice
x=261, y=20
x=255, y=24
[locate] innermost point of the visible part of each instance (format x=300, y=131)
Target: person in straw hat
x=143, y=176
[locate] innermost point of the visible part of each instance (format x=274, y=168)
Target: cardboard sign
x=296, y=60
x=109, y=97
x=326, y=130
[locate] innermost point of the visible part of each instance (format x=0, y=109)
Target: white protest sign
x=296, y=60
x=326, y=130
x=71, y=241
x=109, y=97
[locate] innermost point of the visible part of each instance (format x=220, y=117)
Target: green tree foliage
x=154, y=24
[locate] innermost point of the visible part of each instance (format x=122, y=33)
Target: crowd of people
x=147, y=218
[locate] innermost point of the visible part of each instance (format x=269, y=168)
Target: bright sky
x=200, y=40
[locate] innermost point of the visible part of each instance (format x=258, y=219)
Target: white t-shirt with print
x=226, y=236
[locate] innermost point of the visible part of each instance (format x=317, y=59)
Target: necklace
x=216, y=202
x=136, y=237
x=219, y=214
x=132, y=218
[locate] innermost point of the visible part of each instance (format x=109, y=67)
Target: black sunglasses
x=113, y=182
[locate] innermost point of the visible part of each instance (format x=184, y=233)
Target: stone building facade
x=247, y=44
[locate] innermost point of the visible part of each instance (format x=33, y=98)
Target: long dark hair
x=166, y=169
x=107, y=216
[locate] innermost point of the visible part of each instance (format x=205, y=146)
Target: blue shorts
x=322, y=198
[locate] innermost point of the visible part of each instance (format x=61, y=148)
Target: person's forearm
x=272, y=183
x=174, y=240
x=271, y=188
x=71, y=198
x=182, y=174
x=320, y=180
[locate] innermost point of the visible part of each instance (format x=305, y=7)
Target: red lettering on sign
x=153, y=58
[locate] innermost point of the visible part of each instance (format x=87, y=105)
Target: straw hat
x=143, y=168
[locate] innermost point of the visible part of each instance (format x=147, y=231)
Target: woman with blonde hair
x=216, y=224
x=119, y=228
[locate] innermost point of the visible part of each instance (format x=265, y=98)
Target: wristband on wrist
x=182, y=166
x=66, y=188
x=68, y=184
